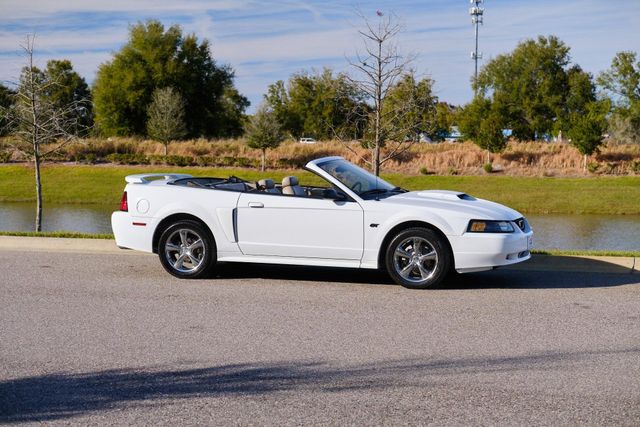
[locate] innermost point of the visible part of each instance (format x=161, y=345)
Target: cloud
x=267, y=41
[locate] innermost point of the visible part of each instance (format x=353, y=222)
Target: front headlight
x=483, y=226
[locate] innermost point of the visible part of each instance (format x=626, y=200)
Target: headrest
x=289, y=181
x=266, y=183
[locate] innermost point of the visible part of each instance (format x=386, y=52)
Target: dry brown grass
x=519, y=159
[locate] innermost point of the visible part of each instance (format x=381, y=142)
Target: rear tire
x=418, y=258
x=187, y=250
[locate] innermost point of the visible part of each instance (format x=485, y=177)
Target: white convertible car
x=356, y=220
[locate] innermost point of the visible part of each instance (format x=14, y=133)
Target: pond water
x=591, y=232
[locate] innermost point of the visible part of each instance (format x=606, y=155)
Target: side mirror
x=330, y=193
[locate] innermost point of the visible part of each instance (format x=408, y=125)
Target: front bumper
x=485, y=251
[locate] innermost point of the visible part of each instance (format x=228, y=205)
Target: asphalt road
x=112, y=339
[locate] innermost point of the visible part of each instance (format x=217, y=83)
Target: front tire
x=187, y=250
x=418, y=258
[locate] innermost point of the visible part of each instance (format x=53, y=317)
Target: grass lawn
x=104, y=184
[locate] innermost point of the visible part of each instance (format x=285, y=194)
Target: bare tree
x=35, y=120
x=166, y=117
x=378, y=73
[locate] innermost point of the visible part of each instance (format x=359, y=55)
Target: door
x=301, y=227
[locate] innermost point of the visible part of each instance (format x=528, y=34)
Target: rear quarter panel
x=151, y=203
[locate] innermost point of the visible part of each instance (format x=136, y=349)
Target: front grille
x=521, y=223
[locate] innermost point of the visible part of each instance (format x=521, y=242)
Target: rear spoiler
x=145, y=178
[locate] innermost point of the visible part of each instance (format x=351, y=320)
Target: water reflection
x=603, y=232
x=600, y=232
x=80, y=218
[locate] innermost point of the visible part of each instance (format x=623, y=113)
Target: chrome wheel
x=415, y=259
x=184, y=250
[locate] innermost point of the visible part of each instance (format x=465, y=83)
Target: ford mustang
x=355, y=220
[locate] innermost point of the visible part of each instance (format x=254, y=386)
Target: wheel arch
x=167, y=221
x=404, y=226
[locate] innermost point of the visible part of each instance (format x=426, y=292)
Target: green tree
x=622, y=83
x=532, y=82
x=410, y=109
x=156, y=58
x=580, y=95
x=490, y=135
x=7, y=98
x=277, y=98
x=264, y=131
x=622, y=80
x=472, y=115
x=313, y=104
x=483, y=121
x=166, y=117
x=587, y=128
x=445, y=118
x=69, y=88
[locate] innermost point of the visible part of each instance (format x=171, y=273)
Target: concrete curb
x=560, y=263
x=60, y=244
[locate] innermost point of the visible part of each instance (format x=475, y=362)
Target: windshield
x=363, y=183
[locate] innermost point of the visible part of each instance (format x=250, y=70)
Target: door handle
x=256, y=205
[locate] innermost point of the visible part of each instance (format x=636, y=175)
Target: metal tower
x=476, y=13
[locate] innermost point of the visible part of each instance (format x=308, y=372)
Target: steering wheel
x=357, y=185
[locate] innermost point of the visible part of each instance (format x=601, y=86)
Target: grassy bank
x=104, y=184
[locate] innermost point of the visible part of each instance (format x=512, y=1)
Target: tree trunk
x=584, y=163
x=378, y=136
x=35, y=142
x=264, y=155
x=38, y=224
x=376, y=160
x=166, y=149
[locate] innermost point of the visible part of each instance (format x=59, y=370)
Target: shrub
x=156, y=159
x=179, y=160
x=452, y=171
x=227, y=161
x=592, y=167
x=244, y=162
x=424, y=170
x=488, y=167
x=287, y=163
x=204, y=161
x=90, y=158
x=635, y=166
x=5, y=157
x=128, y=159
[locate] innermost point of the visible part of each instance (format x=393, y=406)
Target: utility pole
x=476, y=13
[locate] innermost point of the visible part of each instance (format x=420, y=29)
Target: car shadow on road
x=496, y=279
x=65, y=395
x=526, y=279
x=301, y=273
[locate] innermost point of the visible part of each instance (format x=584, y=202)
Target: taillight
x=124, y=206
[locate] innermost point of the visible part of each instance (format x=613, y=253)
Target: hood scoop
x=444, y=195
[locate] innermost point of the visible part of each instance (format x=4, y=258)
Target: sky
x=266, y=41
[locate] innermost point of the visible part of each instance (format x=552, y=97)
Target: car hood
x=454, y=202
